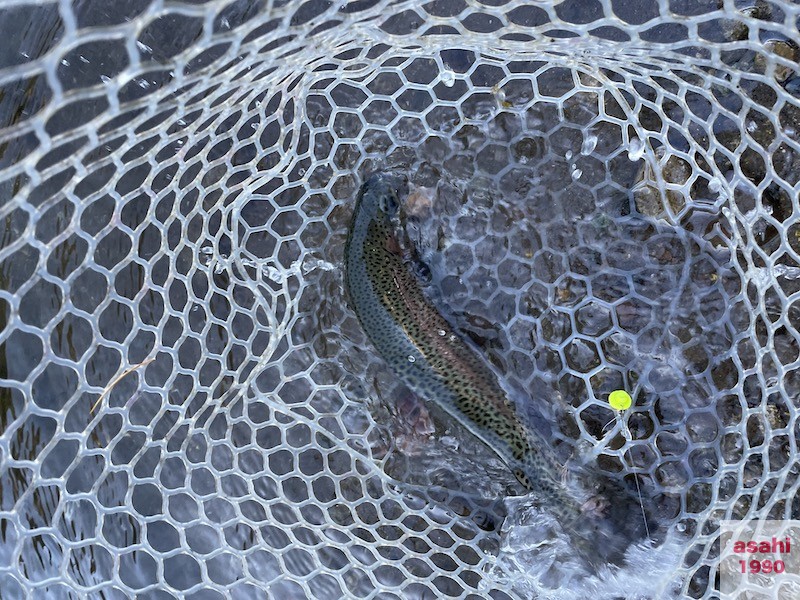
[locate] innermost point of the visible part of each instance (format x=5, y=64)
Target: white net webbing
x=188, y=406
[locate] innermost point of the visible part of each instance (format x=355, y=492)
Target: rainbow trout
x=425, y=352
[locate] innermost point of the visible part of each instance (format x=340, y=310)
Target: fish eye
x=389, y=203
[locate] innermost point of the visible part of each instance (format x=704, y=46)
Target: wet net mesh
x=608, y=194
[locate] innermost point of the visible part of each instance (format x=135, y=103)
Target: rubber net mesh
x=189, y=408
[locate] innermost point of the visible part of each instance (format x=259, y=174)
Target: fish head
x=384, y=191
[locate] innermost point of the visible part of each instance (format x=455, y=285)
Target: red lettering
x=762, y=566
x=775, y=546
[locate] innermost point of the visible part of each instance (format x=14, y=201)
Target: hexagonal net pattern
x=188, y=406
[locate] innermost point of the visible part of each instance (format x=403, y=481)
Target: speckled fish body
x=426, y=353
